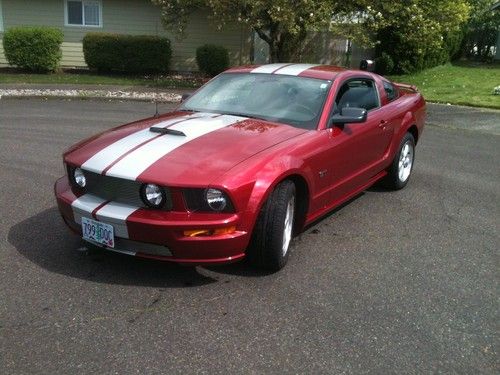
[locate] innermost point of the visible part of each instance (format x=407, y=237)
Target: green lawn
x=464, y=83
x=83, y=77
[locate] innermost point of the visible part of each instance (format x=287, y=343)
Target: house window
x=83, y=13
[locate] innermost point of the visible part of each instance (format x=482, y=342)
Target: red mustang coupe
x=242, y=165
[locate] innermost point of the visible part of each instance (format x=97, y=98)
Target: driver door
x=357, y=149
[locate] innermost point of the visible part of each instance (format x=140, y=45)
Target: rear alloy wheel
x=402, y=165
x=273, y=232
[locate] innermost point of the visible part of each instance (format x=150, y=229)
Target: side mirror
x=349, y=115
x=184, y=97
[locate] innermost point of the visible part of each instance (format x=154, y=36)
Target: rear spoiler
x=407, y=87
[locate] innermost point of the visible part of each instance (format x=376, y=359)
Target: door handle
x=382, y=124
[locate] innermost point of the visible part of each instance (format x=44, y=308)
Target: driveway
x=464, y=118
x=393, y=282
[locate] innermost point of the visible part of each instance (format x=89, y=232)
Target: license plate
x=96, y=231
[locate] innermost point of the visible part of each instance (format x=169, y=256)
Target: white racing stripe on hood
x=132, y=165
x=269, y=68
x=99, y=161
x=295, y=69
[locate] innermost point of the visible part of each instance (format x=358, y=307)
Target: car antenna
x=157, y=79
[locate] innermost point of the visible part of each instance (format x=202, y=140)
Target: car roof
x=303, y=70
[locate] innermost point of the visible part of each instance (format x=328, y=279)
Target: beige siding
x=72, y=54
x=127, y=17
x=3, y=61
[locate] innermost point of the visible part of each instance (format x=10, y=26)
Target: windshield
x=293, y=100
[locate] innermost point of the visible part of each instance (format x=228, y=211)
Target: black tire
x=266, y=246
x=393, y=180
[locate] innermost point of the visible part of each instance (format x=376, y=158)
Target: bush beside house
x=212, y=59
x=37, y=49
x=107, y=52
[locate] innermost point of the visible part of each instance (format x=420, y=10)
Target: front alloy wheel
x=288, y=228
x=400, y=170
x=273, y=232
x=405, y=161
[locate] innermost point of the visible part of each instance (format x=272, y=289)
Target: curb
x=160, y=97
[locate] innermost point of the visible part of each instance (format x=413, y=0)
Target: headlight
x=153, y=195
x=79, y=177
x=207, y=200
x=216, y=199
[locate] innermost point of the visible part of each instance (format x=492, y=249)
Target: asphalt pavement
x=391, y=283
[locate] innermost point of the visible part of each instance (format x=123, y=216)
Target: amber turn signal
x=209, y=232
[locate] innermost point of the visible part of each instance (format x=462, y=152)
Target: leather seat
x=361, y=97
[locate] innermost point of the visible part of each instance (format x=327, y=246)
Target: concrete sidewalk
x=142, y=93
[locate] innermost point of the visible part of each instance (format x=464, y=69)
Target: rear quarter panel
x=408, y=110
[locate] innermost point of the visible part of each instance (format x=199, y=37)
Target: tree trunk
x=274, y=53
x=282, y=45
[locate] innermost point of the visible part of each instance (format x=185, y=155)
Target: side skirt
x=316, y=215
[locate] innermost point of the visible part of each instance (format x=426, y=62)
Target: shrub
x=384, y=64
x=34, y=48
x=212, y=59
x=126, y=53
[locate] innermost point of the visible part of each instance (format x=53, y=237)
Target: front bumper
x=156, y=234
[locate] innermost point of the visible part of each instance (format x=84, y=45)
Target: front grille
x=119, y=190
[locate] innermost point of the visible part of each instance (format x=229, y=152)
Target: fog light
x=153, y=195
x=79, y=177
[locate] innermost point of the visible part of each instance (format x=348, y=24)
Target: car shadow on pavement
x=46, y=241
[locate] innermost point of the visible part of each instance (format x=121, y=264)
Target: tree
x=416, y=34
x=481, y=30
x=282, y=24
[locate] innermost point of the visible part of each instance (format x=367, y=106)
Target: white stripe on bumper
x=84, y=205
x=116, y=214
x=112, y=213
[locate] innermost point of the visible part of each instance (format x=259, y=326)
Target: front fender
x=251, y=183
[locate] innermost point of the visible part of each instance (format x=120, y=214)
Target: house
x=78, y=17
x=496, y=8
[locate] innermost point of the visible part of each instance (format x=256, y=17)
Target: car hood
x=195, y=150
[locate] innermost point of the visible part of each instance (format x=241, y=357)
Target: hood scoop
x=166, y=131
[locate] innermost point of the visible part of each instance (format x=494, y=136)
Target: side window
x=390, y=91
x=361, y=93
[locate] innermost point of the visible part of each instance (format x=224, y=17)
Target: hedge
x=384, y=64
x=212, y=59
x=33, y=48
x=106, y=52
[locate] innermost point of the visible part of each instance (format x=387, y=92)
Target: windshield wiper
x=166, y=131
x=245, y=115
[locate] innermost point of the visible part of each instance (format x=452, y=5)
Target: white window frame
x=1, y=17
x=67, y=24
